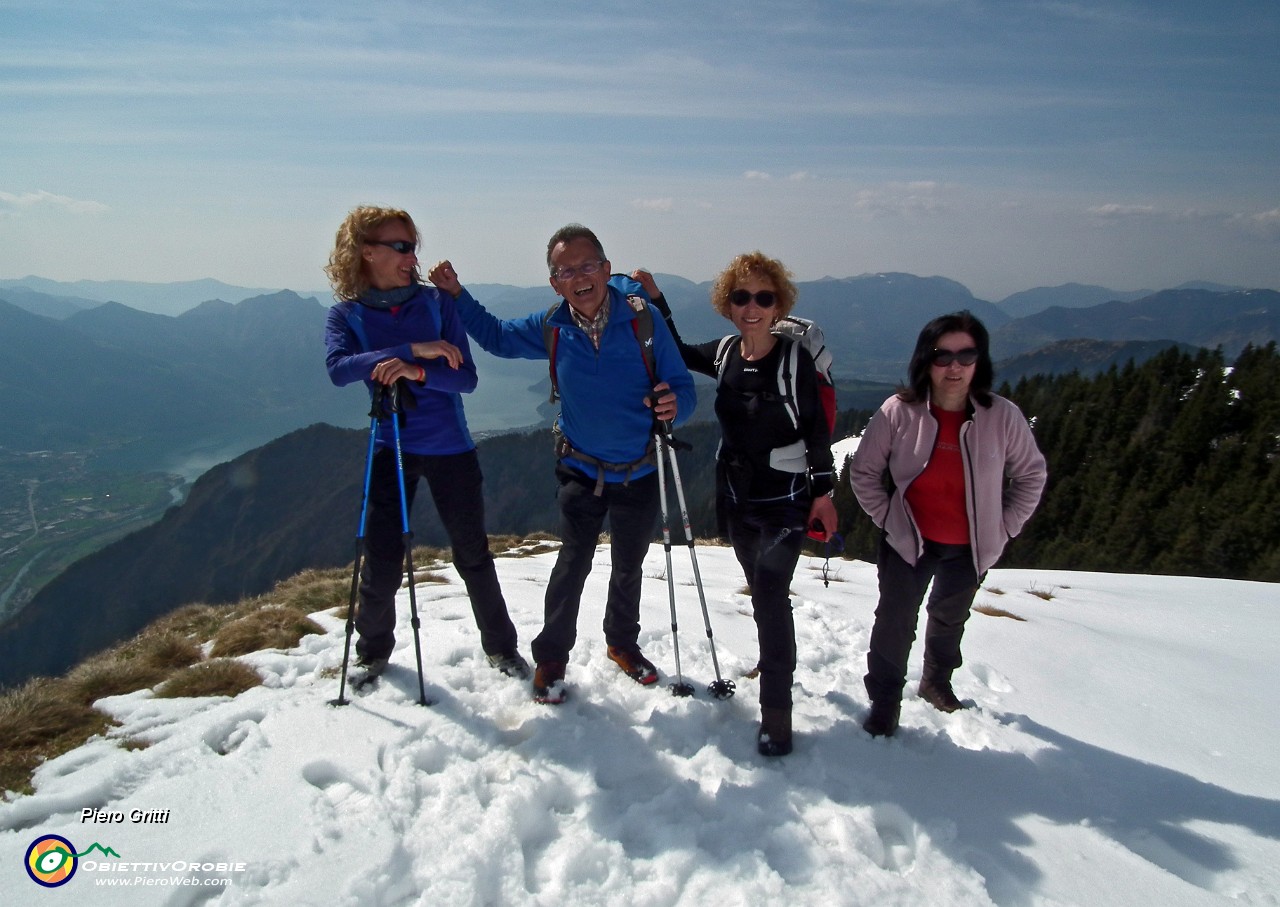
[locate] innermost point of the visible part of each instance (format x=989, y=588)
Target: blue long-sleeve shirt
x=436, y=425
x=601, y=392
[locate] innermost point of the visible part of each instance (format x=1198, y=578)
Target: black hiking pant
x=455, y=483
x=632, y=510
x=902, y=588
x=767, y=539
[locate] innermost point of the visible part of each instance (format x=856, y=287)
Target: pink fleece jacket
x=996, y=445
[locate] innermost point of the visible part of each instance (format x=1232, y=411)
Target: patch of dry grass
x=523, y=545
x=41, y=719
x=1042, y=593
x=217, y=677
x=197, y=622
x=313, y=590
x=133, y=665
x=271, y=627
x=992, y=611
x=424, y=556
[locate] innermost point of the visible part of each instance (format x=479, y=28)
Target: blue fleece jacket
x=601, y=393
x=436, y=425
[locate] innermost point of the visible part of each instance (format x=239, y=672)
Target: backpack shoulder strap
x=355, y=318
x=551, y=340
x=433, y=307
x=788, y=363
x=642, y=327
x=722, y=355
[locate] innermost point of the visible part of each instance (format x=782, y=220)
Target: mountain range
x=150, y=388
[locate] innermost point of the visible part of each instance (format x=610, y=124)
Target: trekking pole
x=720, y=689
x=394, y=393
x=679, y=688
x=374, y=412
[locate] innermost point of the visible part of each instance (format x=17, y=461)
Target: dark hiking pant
x=902, y=587
x=767, y=539
x=632, y=510
x=455, y=484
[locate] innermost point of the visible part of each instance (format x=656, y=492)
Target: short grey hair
x=568, y=233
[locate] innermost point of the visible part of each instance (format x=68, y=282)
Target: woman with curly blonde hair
x=346, y=268
x=774, y=468
x=757, y=265
x=387, y=328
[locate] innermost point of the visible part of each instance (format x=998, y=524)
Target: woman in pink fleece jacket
x=950, y=472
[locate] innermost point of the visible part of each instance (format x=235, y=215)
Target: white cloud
x=1264, y=223
x=11, y=202
x=756, y=175
x=1117, y=212
x=900, y=199
x=652, y=204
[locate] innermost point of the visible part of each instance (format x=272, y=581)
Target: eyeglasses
x=402, y=246
x=765, y=298
x=586, y=269
x=943, y=358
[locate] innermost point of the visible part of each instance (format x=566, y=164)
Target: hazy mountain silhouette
x=148, y=389
x=1083, y=296
x=1202, y=318
x=1088, y=357
x=159, y=298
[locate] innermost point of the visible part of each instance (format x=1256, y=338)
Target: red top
x=936, y=497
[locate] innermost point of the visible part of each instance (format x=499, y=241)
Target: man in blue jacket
x=611, y=390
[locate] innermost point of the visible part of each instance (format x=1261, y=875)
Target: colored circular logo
x=51, y=861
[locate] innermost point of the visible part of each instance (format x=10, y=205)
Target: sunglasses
x=402, y=246
x=765, y=298
x=943, y=358
x=586, y=270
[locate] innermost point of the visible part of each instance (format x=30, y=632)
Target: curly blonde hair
x=346, y=264
x=754, y=264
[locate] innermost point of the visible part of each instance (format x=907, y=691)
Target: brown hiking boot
x=938, y=693
x=548, y=683
x=774, y=737
x=634, y=665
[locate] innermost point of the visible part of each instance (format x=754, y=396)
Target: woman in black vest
x=774, y=469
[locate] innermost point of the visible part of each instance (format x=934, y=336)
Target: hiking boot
x=883, y=720
x=512, y=664
x=938, y=693
x=548, y=683
x=774, y=737
x=371, y=667
x=634, y=665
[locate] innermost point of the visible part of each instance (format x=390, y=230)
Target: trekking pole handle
x=664, y=425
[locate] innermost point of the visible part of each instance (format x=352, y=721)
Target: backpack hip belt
x=565, y=449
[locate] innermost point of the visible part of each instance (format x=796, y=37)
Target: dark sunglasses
x=765, y=298
x=944, y=358
x=399, y=245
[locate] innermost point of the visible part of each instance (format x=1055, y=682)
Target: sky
x=1006, y=145
x=1118, y=749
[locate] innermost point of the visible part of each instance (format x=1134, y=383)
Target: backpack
x=641, y=326
x=802, y=332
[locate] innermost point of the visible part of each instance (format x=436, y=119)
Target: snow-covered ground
x=1120, y=749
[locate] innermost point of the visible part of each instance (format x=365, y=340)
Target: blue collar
x=388, y=299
